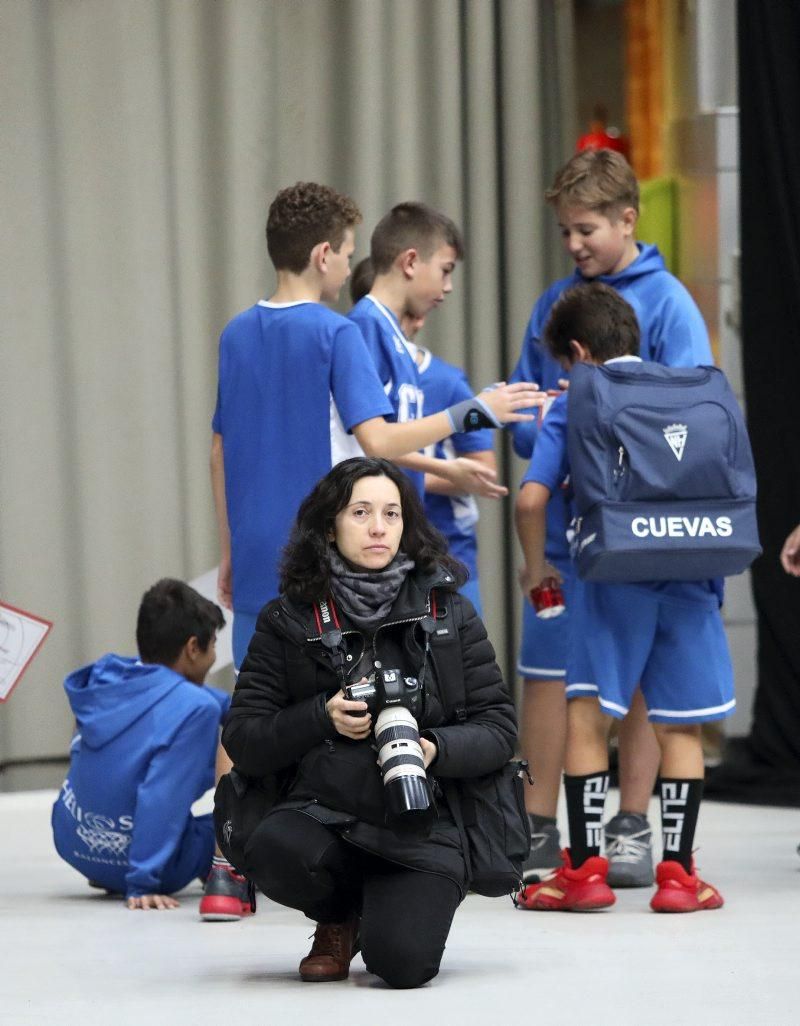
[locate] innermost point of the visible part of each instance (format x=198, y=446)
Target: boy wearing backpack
x=595, y=197
x=668, y=635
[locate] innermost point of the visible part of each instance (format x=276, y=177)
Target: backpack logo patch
x=675, y=434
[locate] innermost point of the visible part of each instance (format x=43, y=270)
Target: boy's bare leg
x=587, y=738
x=681, y=749
x=639, y=758
x=544, y=739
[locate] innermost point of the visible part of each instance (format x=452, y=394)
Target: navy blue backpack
x=662, y=474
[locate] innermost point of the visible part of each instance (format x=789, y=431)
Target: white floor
x=69, y=955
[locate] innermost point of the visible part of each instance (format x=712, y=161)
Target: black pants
x=405, y=914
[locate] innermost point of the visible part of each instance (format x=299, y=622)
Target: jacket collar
x=412, y=603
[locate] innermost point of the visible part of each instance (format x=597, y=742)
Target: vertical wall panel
x=145, y=143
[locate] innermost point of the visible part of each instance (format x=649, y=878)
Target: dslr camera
x=394, y=702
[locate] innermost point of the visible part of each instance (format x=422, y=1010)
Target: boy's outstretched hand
x=473, y=478
x=506, y=400
x=157, y=901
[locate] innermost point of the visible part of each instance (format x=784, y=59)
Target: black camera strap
x=330, y=632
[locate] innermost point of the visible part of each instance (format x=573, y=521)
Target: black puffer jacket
x=278, y=723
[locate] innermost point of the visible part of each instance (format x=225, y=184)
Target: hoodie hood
x=649, y=261
x=111, y=694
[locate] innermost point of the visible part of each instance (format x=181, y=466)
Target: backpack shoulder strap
x=444, y=642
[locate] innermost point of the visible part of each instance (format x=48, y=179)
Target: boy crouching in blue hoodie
x=144, y=750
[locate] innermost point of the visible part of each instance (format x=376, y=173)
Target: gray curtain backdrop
x=142, y=143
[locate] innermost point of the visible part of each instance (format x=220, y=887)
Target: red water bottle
x=548, y=599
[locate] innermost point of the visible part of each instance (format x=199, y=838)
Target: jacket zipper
x=395, y=623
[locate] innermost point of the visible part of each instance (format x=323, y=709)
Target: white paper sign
x=21, y=636
x=206, y=584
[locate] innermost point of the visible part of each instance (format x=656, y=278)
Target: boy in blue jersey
x=453, y=513
x=144, y=751
x=667, y=636
x=414, y=250
x=298, y=392
x=596, y=199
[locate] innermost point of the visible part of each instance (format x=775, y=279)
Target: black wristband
x=471, y=415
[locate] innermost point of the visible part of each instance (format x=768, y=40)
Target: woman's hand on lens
x=349, y=718
x=429, y=751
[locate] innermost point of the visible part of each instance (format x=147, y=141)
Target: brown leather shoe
x=333, y=949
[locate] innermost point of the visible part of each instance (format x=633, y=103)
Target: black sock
x=586, y=799
x=680, y=805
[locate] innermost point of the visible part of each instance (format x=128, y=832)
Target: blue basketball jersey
x=393, y=357
x=294, y=379
x=456, y=516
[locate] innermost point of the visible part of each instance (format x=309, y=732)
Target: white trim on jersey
x=427, y=356
x=407, y=394
x=401, y=343
x=283, y=306
x=343, y=445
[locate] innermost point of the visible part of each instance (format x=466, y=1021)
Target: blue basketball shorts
x=545, y=643
x=624, y=635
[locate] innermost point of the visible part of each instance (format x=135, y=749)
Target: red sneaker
x=570, y=890
x=679, y=891
x=226, y=896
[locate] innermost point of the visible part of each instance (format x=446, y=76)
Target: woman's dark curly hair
x=305, y=569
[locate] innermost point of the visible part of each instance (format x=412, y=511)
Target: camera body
x=386, y=688
x=394, y=702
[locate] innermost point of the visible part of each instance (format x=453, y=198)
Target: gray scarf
x=368, y=595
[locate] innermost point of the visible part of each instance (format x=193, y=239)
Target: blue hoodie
x=144, y=751
x=673, y=333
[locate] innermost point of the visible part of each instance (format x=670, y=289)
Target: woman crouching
x=370, y=852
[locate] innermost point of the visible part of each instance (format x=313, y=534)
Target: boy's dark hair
x=306, y=568
x=412, y=226
x=598, y=317
x=361, y=279
x=170, y=613
x=599, y=180
x=303, y=215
